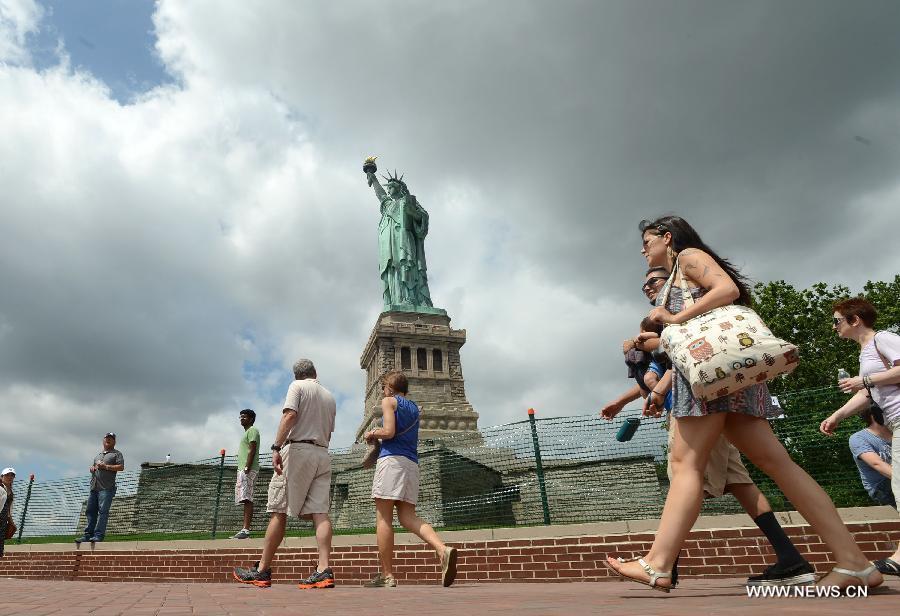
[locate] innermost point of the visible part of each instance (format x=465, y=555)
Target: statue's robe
x=401, y=252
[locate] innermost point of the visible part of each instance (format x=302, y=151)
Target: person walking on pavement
x=301, y=485
x=396, y=482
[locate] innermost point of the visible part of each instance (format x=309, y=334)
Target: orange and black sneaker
x=318, y=579
x=263, y=579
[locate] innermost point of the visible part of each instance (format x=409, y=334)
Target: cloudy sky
x=184, y=211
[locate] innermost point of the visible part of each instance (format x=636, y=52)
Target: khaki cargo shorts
x=724, y=467
x=894, y=425
x=305, y=485
x=396, y=478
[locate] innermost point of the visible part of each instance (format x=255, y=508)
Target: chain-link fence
x=538, y=471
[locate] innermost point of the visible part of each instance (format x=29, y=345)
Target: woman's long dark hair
x=684, y=236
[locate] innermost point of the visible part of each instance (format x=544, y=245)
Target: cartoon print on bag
x=748, y=362
x=763, y=376
x=722, y=392
x=700, y=349
x=739, y=377
x=745, y=339
x=792, y=357
x=768, y=359
x=726, y=325
x=705, y=377
x=720, y=374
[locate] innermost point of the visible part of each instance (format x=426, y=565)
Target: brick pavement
x=695, y=597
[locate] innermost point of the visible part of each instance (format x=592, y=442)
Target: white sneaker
x=241, y=534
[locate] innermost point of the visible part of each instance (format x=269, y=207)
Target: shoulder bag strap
x=410, y=426
x=883, y=360
x=663, y=298
x=687, y=297
x=880, y=356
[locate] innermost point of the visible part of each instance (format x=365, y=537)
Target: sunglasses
x=645, y=224
x=837, y=321
x=651, y=282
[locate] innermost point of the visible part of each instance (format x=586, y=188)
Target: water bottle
x=842, y=374
x=627, y=429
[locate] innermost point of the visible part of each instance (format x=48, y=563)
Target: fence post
x=539, y=467
x=218, y=491
x=25, y=508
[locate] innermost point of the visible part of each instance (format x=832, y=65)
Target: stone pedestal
x=426, y=349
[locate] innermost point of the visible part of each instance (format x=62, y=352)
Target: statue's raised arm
x=370, y=169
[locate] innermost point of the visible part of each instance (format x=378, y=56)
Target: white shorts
x=396, y=478
x=243, y=487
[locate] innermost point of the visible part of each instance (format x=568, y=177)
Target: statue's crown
x=395, y=178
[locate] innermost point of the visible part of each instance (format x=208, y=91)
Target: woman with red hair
x=878, y=382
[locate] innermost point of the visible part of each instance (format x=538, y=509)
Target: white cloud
x=18, y=19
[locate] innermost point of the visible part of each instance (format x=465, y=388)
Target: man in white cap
x=6, y=500
x=103, y=488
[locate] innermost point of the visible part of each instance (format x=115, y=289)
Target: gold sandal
x=655, y=575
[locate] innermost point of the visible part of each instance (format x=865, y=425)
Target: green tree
x=809, y=394
x=804, y=318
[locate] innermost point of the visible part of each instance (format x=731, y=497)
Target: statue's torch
x=369, y=165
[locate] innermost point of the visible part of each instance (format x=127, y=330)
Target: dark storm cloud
x=583, y=117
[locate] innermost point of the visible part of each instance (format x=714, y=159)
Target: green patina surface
x=401, y=246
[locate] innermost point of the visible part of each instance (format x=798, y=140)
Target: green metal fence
x=536, y=471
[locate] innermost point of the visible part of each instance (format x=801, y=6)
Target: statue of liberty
x=401, y=244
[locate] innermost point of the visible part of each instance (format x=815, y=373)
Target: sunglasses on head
x=644, y=225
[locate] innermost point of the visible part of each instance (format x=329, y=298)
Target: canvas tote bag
x=724, y=350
